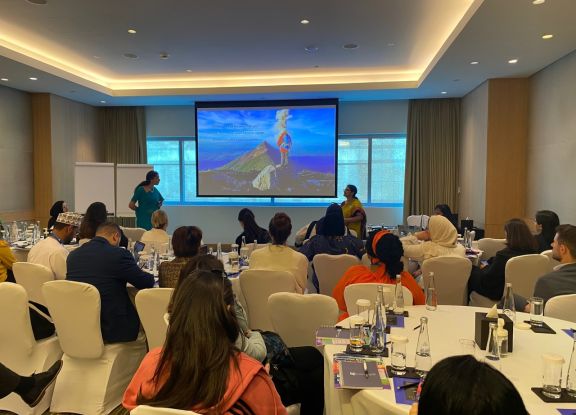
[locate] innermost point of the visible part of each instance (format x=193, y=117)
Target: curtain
x=432, y=155
x=124, y=135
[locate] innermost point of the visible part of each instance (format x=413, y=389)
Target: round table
x=446, y=326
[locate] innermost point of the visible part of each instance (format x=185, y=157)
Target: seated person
x=304, y=233
x=157, y=237
x=385, y=252
x=186, y=242
x=562, y=280
x=251, y=231
x=50, y=251
x=444, y=210
x=546, y=223
x=331, y=239
x=6, y=261
x=278, y=256
x=101, y=263
x=461, y=385
x=95, y=215
x=56, y=209
x=200, y=368
x=489, y=280
x=30, y=388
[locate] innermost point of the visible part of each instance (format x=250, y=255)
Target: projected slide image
x=270, y=151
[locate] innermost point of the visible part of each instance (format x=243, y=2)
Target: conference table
x=447, y=325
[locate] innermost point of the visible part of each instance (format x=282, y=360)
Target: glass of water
x=398, y=354
x=552, y=375
x=536, y=311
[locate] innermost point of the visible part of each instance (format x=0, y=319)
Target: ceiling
x=256, y=49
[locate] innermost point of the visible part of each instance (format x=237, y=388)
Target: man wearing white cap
x=50, y=252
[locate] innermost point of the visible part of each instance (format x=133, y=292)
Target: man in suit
x=103, y=264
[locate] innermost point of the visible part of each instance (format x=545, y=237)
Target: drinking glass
x=552, y=375
x=398, y=354
x=431, y=299
x=234, y=261
x=356, y=333
x=536, y=311
x=363, y=308
x=468, y=346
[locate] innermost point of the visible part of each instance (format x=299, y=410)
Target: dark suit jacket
x=109, y=268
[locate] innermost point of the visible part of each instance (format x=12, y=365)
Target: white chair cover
x=523, y=271
x=562, y=307
x=451, y=277
x=478, y=300
x=369, y=291
x=133, y=234
x=19, y=350
x=32, y=277
x=490, y=246
x=553, y=262
x=94, y=376
x=151, y=305
x=257, y=286
x=239, y=294
x=152, y=410
x=418, y=220
x=296, y=317
x=330, y=268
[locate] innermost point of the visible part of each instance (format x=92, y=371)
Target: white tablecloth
x=447, y=325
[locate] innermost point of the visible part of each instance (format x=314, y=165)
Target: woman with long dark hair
x=146, y=200
x=56, y=209
x=547, y=221
x=251, y=231
x=354, y=214
x=96, y=214
x=489, y=280
x=186, y=242
x=199, y=368
x=444, y=210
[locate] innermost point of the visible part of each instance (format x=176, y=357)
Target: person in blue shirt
x=146, y=200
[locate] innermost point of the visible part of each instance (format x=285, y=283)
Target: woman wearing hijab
x=438, y=240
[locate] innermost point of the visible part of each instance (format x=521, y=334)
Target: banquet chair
x=523, y=271
x=420, y=221
x=490, y=246
x=257, y=286
x=369, y=291
x=31, y=277
x=562, y=307
x=19, y=350
x=151, y=305
x=450, y=277
x=296, y=317
x=478, y=300
x=154, y=410
x=94, y=375
x=553, y=262
x=133, y=234
x=330, y=268
x=237, y=290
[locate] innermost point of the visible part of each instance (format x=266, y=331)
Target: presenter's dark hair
x=96, y=214
x=280, y=228
x=194, y=366
x=353, y=189
x=549, y=221
x=462, y=385
x=149, y=177
x=186, y=241
x=519, y=237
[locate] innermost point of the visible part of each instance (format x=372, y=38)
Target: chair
x=153, y=410
x=562, y=307
x=133, y=234
x=238, y=293
x=31, y=277
x=420, y=221
x=478, y=300
x=369, y=291
x=451, y=278
x=330, y=268
x=365, y=260
x=296, y=317
x=490, y=246
x=19, y=350
x=94, y=375
x=257, y=286
x=523, y=271
x=151, y=305
x=553, y=262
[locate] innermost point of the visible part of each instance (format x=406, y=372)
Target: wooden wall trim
x=42, y=138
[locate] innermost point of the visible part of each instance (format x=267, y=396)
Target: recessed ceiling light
x=538, y=2
x=189, y=70
x=513, y=61
x=40, y=2
x=311, y=49
x=132, y=31
x=350, y=46
x=316, y=66
x=131, y=56
x=474, y=63
x=304, y=21
x=391, y=44
x=96, y=57
x=547, y=36
x=4, y=79
x=164, y=55
x=33, y=78
x=443, y=92
x=102, y=102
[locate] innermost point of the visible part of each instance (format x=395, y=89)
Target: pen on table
x=408, y=385
x=365, y=369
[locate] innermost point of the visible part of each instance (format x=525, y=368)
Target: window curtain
x=432, y=155
x=124, y=135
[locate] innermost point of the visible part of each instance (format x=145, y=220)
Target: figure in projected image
x=283, y=141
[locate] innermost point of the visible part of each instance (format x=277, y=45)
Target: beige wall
x=16, y=157
x=473, y=147
x=552, y=140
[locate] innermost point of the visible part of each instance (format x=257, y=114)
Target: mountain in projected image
x=258, y=173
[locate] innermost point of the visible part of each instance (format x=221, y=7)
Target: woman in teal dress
x=146, y=200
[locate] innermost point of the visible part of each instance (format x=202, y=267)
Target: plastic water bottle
x=508, y=306
x=423, y=361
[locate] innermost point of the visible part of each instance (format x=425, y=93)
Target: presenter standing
x=146, y=200
x=354, y=214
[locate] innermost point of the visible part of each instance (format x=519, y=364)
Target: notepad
x=353, y=376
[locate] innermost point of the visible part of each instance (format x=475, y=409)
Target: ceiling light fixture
x=164, y=55
x=350, y=46
x=188, y=70
x=547, y=36
x=4, y=79
x=537, y=2
x=102, y=102
x=391, y=44
x=474, y=63
x=131, y=56
x=443, y=92
x=132, y=31
x=304, y=21
x=513, y=61
x=33, y=78
x=311, y=49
